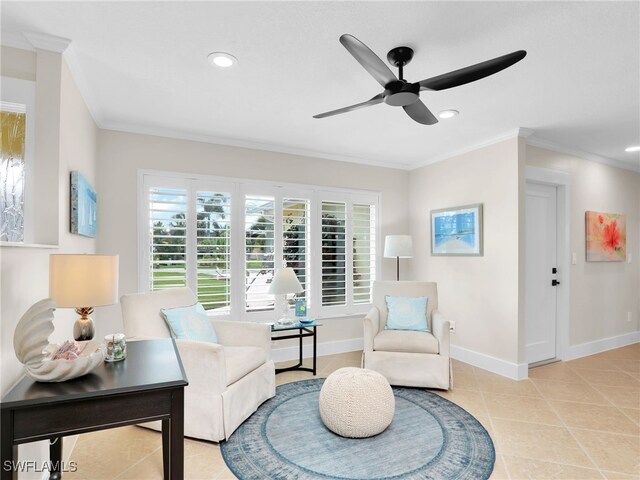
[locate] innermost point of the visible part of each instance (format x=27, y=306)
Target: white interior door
x=541, y=260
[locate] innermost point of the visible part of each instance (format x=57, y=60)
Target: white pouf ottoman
x=356, y=402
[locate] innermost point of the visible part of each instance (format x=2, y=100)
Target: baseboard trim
x=284, y=354
x=515, y=371
x=602, y=345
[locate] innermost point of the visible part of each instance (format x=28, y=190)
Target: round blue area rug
x=429, y=438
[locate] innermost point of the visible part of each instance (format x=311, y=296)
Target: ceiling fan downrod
x=399, y=57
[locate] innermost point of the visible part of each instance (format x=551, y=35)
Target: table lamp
x=83, y=282
x=285, y=282
x=398, y=246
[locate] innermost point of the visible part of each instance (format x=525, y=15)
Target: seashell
x=31, y=341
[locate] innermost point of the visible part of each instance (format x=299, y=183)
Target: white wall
x=601, y=293
x=479, y=293
x=25, y=270
x=65, y=141
x=121, y=155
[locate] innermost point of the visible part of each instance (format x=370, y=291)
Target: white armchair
x=404, y=357
x=227, y=381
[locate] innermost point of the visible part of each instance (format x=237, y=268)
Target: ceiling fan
x=400, y=93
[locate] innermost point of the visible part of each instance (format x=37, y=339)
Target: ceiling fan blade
x=369, y=60
x=471, y=73
x=375, y=100
x=420, y=113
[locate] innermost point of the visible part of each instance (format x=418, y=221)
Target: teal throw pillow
x=407, y=313
x=190, y=323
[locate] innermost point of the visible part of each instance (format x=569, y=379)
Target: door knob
x=554, y=282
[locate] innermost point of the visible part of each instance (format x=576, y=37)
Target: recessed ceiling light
x=635, y=148
x=222, y=59
x=448, y=113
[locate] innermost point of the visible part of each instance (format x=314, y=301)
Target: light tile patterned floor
x=573, y=420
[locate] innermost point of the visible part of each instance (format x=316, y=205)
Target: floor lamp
x=398, y=246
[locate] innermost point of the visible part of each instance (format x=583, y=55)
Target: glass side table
x=299, y=331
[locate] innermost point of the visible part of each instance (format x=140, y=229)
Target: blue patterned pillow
x=407, y=313
x=190, y=323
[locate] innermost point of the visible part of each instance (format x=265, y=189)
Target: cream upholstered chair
x=404, y=357
x=227, y=381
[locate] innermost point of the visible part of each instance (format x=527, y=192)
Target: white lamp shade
x=285, y=281
x=398, y=246
x=83, y=280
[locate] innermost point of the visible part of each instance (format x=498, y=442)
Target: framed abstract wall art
x=606, y=237
x=457, y=231
x=83, y=206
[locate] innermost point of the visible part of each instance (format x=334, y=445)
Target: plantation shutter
x=259, y=252
x=295, y=241
x=213, y=250
x=333, y=267
x=168, y=211
x=364, y=251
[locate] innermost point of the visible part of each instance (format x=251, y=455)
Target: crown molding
x=516, y=132
x=555, y=147
x=51, y=43
x=16, y=40
x=35, y=41
x=241, y=143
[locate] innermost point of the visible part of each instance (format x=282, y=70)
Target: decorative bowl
x=32, y=347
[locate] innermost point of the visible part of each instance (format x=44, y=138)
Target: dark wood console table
x=148, y=385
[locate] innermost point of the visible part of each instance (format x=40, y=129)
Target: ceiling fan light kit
x=400, y=93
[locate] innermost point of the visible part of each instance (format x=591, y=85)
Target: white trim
x=562, y=181
x=244, y=143
x=16, y=40
x=264, y=183
x=285, y=354
x=51, y=43
x=549, y=145
x=602, y=345
x=35, y=41
x=517, y=132
x=515, y=371
x=27, y=245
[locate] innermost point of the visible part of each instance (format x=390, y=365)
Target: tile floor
x=573, y=420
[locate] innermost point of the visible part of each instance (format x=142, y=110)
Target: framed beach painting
x=457, y=231
x=83, y=206
x=606, y=237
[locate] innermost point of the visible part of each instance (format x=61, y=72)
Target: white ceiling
x=142, y=67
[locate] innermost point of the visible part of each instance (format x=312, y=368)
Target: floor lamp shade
x=398, y=246
x=83, y=282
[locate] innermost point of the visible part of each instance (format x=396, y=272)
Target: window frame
x=239, y=189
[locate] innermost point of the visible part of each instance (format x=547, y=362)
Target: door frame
x=560, y=180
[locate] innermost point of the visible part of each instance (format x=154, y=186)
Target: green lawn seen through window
x=212, y=292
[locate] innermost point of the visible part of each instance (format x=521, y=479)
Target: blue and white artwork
x=457, y=231
x=83, y=206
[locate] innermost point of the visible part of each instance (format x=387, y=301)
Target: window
x=168, y=238
x=18, y=201
x=224, y=239
x=334, y=271
x=259, y=251
x=213, y=244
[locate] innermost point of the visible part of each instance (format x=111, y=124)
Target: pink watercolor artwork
x=606, y=235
